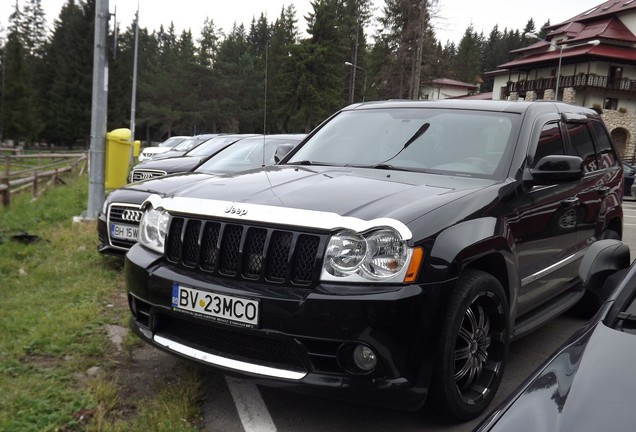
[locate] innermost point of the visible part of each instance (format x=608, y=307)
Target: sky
x=454, y=15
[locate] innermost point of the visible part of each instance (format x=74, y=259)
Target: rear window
x=583, y=145
x=607, y=157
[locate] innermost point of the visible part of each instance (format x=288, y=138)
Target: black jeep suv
x=391, y=257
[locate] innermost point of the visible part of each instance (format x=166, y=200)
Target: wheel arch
x=495, y=265
x=479, y=244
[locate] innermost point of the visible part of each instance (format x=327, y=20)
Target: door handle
x=570, y=202
x=602, y=191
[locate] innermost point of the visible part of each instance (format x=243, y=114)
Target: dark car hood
x=169, y=154
x=171, y=165
x=358, y=192
x=588, y=386
x=136, y=193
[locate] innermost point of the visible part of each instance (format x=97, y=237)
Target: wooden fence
x=31, y=171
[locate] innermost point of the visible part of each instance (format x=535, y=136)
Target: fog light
x=364, y=358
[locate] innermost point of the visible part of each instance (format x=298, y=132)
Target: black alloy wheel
x=473, y=345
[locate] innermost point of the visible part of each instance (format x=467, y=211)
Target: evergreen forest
x=280, y=76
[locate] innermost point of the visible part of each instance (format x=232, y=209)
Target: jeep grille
x=245, y=251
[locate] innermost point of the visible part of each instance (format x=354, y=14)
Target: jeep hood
x=358, y=192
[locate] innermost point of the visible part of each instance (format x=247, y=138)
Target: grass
x=58, y=296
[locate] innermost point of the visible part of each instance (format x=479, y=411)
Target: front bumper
x=305, y=336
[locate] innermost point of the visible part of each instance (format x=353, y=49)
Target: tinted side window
x=583, y=145
x=550, y=143
x=606, y=155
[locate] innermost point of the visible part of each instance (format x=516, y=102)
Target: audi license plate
x=218, y=307
x=124, y=232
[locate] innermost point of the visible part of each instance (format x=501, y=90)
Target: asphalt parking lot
x=236, y=405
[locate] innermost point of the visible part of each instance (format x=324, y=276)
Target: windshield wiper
x=386, y=166
x=310, y=162
x=302, y=162
x=417, y=134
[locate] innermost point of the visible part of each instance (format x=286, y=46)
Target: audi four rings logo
x=131, y=215
x=235, y=210
x=145, y=175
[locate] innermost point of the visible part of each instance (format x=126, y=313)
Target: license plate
x=124, y=232
x=221, y=308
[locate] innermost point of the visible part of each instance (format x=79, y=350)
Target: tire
x=473, y=346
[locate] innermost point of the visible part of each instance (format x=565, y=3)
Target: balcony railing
x=579, y=82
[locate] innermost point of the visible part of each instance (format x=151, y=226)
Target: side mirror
x=282, y=151
x=555, y=168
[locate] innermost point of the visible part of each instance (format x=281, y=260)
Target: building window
x=610, y=103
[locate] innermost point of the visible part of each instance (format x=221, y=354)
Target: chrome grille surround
x=144, y=174
x=122, y=213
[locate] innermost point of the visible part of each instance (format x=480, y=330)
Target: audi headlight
x=374, y=256
x=153, y=229
x=105, y=206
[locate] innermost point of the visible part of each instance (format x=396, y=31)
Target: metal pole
x=2, y=106
x=98, y=111
x=352, y=89
x=364, y=87
x=3, y=110
x=558, y=76
x=133, y=98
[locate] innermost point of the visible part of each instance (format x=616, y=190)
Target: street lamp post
x=558, y=77
x=594, y=42
x=364, y=87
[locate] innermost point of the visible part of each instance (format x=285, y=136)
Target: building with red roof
x=589, y=60
x=446, y=88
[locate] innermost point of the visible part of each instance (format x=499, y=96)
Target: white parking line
x=250, y=406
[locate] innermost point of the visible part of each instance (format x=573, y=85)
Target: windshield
x=187, y=144
x=246, y=154
x=212, y=145
x=432, y=140
x=171, y=142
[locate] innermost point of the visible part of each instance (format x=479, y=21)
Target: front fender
x=479, y=243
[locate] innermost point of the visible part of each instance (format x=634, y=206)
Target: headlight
x=346, y=251
x=387, y=254
x=105, y=206
x=376, y=256
x=153, y=229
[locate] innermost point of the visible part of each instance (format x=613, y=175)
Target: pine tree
x=209, y=43
x=408, y=40
x=320, y=63
x=467, y=63
x=20, y=114
x=69, y=71
x=34, y=27
x=281, y=82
